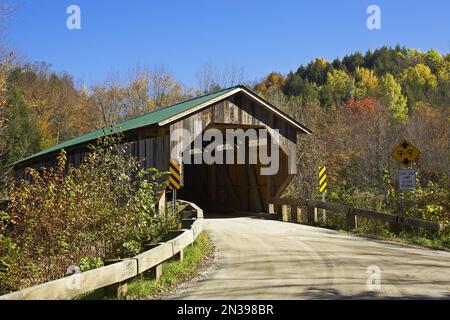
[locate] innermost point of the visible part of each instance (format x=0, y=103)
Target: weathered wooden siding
x=239, y=110
x=152, y=152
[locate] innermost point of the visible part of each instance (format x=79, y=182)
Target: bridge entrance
x=237, y=187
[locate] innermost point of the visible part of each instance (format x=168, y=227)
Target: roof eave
x=252, y=95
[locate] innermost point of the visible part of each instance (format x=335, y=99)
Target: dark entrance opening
x=232, y=188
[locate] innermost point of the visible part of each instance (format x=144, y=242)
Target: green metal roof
x=144, y=120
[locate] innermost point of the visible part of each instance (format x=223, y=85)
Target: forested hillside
x=359, y=107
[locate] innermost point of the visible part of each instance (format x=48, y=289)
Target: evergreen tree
x=22, y=134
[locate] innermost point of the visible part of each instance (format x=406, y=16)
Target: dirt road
x=263, y=259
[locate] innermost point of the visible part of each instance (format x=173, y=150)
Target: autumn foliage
x=69, y=216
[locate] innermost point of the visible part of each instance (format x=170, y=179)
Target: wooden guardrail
x=297, y=206
x=114, y=277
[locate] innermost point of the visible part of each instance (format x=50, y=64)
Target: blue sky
x=259, y=35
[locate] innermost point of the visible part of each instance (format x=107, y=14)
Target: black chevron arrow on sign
x=406, y=161
x=405, y=145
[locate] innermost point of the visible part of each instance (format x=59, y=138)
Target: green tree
x=315, y=71
x=22, y=134
x=353, y=61
x=434, y=60
x=367, y=82
x=419, y=83
x=341, y=84
x=298, y=87
x=390, y=92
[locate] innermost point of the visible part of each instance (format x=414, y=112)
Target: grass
x=441, y=242
x=380, y=231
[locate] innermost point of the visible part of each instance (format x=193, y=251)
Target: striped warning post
x=174, y=175
x=323, y=180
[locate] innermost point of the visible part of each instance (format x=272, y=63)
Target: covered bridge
x=155, y=138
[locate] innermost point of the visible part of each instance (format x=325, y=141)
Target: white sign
x=407, y=179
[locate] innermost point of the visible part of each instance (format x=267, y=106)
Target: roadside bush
x=66, y=216
x=430, y=201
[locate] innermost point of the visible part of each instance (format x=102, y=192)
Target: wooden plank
x=182, y=240
x=284, y=213
x=430, y=225
x=351, y=220
x=212, y=183
x=245, y=187
x=271, y=208
x=261, y=189
x=375, y=215
x=369, y=214
x=258, y=205
x=153, y=257
x=300, y=217
x=294, y=215
x=230, y=188
x=77, y=284
x=289, y=201
x=329, y=206
x=142, y=160
x=310, y=215
x=197, y=227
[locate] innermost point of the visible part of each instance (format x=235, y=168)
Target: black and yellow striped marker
x=323, y=180
x=174, y=175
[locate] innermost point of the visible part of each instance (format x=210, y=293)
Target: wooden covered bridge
x=154, y=139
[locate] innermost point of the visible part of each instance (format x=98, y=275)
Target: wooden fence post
x=294, y=217
x=310, y=213
x=395, y=227
x=352, y=222
x=300, y=217
x=178, y=256
x=116, y=290
x=154, y=273
x=284, y=213
x=278, y=211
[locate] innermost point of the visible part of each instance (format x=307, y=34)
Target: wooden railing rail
x=280, y=205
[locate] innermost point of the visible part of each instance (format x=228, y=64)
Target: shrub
x=65, y=216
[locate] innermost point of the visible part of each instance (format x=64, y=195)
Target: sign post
x=405, y=153
x=323, y=189
x=174, y=182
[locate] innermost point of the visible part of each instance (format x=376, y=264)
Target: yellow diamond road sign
x=405, y=153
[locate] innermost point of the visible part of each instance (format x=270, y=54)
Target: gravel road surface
x=264, y=259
